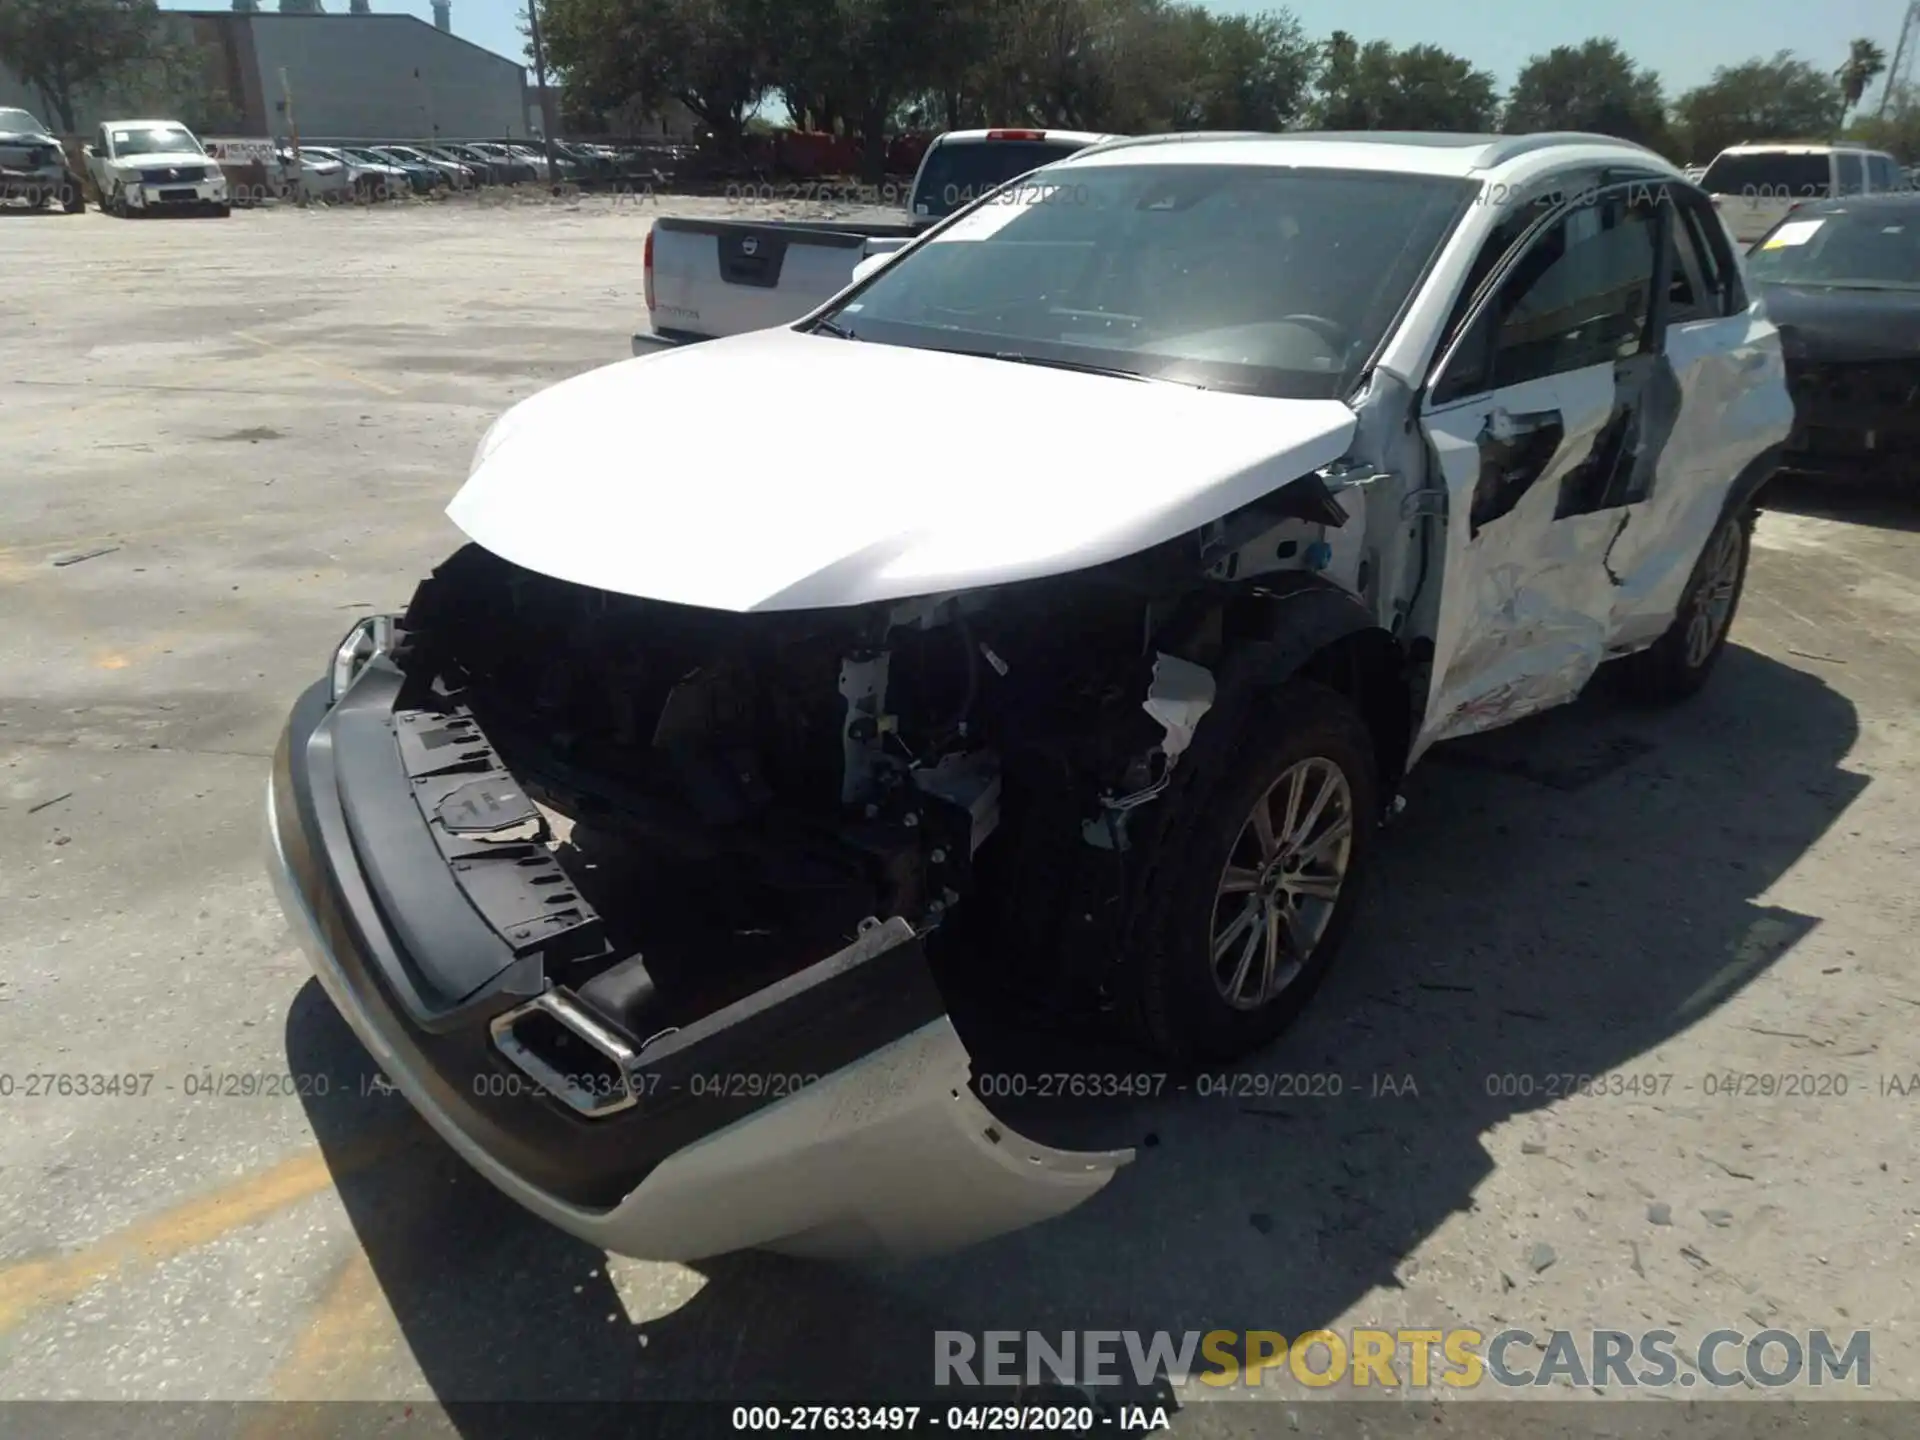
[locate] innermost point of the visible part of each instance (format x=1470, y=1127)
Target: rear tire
x=1199, y=975
x=1676, y=665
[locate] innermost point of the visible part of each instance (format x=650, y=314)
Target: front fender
x=1283, y=627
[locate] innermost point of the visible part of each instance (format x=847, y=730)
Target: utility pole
x=540, y=81
x=1903, y=58
x=293, y=130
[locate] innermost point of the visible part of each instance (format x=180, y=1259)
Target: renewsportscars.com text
x=1459, y=1359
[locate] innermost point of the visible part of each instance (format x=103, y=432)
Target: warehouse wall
x=354, y=76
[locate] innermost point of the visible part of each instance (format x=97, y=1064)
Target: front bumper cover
x=141, y=196
x=1855, y=419
x=887, y=1153
x=43, y=179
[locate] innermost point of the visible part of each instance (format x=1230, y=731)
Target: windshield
x=19, y=122
x=154, y=140
x=1267, y=281
x=1873, y=247
x=1769, y=175
x=955, y=175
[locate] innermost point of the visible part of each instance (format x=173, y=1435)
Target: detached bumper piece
x=827, y=1114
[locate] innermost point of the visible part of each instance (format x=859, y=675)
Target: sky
x=1683, y=40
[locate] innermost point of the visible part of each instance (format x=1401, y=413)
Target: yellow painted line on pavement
x=350, y=1326
x=321, y=366
x=120, y=657
x=33, y=1284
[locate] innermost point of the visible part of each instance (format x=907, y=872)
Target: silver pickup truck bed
x=725, y=277
x=708, y=278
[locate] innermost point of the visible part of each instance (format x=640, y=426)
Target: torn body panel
x=1588, y=498
x=801, y=1094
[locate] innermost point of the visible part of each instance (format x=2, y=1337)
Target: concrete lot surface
x=257, y=422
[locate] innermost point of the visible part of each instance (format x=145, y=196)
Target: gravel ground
x=249, y=429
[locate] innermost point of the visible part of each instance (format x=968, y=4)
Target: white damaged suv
x=1210, y=481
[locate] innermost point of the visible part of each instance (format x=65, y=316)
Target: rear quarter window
x=955, y=176
x=1769, y=175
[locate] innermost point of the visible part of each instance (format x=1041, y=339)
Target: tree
x=1241, y=72
x=1897, y=131
x=63, y=48
x=1377, y=87
x=714, y=56
x=1783, y=98
x=1866, y=62
x=1593, y=86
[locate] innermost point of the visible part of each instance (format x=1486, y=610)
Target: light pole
x=293, y=130
x=540, y=81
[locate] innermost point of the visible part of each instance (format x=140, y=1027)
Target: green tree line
x=864, y=67
x=870, y=68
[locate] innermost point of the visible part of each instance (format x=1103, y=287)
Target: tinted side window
x=1579, y=297
x=1883, y=174
x=1719, y=269
x=1691, y=294
x=1852, y=175
x=1770, y=175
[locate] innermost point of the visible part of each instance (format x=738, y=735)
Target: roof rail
x=1511, y=147
x=1177, y=137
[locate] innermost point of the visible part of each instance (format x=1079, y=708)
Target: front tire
x=1254, y=875
x=1676, y=665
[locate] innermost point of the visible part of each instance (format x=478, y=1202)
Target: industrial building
x=357, y=75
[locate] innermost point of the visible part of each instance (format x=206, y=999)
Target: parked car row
x=412, y=167
x=144, y=166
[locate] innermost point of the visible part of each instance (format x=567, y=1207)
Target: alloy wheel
x=1281, y=883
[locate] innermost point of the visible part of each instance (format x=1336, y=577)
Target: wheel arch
x=1314, y=630
x=1753, y=477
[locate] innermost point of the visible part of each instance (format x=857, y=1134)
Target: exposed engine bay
x=735, y=794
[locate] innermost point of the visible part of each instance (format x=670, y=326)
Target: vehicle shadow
x=1560, y=898
x=1886, y=504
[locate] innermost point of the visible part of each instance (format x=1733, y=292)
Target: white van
x=1755, y=186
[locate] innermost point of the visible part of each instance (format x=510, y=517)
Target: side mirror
x=883, y=253
x=869, y=266
x=86, y=150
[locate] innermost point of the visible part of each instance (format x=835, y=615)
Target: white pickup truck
x=708, y=278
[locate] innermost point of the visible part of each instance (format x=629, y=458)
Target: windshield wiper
x=1083, y=367
x=839, y=332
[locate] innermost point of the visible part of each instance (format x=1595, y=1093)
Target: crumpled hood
x=785, y=471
